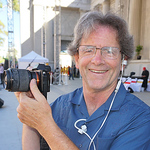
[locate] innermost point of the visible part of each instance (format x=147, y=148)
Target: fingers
x=29, y=94
x=26, y=117
x=35, y=91
x=32, y=108
x=17, y=94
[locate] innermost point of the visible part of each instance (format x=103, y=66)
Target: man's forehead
x=101, y=29
x=105, y=34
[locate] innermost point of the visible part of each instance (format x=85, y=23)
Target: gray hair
x=88, y=23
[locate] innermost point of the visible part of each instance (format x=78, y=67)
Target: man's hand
x=33, y=109
x=35, y=113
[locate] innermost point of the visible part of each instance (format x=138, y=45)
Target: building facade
x=136, y=13
x=47, y=26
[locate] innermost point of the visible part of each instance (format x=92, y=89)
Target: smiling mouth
x=98, y=71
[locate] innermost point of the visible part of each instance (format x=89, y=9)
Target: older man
x=145, y=75
x=101, y=115
x=1, y=72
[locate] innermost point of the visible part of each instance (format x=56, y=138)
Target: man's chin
x=97, y=86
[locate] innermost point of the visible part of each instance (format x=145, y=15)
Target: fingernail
x=34, y=81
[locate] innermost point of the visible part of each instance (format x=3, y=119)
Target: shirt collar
x=119, y=99
x=78, y=98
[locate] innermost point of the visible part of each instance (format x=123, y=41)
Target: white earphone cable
x=82, y=131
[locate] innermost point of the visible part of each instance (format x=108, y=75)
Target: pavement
x=11, y=127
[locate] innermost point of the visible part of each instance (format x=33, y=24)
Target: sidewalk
x=10, y=126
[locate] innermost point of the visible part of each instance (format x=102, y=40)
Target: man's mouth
x=98, y=71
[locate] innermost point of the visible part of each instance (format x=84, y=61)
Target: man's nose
x=97, y=57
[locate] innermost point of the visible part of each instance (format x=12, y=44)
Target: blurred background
x=46, y=28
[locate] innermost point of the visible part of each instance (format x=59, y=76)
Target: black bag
x=130, y=90
x=1, y=102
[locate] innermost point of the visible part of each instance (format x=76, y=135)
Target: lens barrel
x=17, y=80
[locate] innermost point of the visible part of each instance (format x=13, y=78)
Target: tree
x=138, y=49
x=2, y=26
x=16, y=5
x=1, y=4
x=2, y=32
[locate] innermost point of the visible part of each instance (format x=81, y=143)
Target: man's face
x=99, y=73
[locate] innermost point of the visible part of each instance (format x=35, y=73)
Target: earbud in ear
x=124, y=62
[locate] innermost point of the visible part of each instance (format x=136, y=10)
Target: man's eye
x=109, y=51
x=88, y=50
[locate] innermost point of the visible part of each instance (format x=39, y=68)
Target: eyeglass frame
x=95, y=50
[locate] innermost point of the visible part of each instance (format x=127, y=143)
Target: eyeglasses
x=106, y=52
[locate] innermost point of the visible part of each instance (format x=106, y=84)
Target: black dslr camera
x=18, y=80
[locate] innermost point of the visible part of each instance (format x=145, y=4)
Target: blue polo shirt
x=126, y=128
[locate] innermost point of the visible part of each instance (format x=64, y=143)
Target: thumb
x=35, y=91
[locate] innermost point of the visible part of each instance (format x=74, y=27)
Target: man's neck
x=94, y=99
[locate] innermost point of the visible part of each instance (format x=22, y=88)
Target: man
x=102, y=115
x=1, y=72
x=71, y=73
x=145, y=75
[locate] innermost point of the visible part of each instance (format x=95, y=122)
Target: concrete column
x=135, y=20
x=106, y=6
x=38, y=23
x=50, y=36
x=25, y=27
x=117, y=6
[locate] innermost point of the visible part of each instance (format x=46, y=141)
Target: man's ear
x=76, y=57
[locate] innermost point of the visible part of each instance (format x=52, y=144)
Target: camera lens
x=17, y=80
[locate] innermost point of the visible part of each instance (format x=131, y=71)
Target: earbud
x=83, y=129
x=124, y=62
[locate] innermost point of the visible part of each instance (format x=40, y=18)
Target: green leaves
x=138, y=49
x=1, y=5
x=16, y=6
x=2, y=32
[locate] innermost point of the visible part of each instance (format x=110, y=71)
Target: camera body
x=18, y=80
